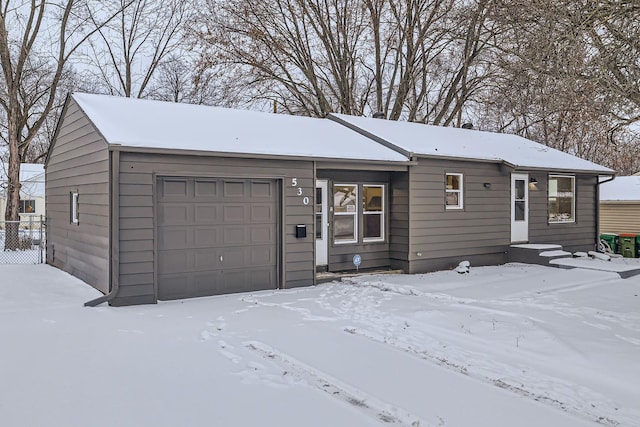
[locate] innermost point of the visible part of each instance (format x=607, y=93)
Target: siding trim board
x=348, y=163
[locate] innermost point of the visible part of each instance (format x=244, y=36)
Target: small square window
x=453, y=191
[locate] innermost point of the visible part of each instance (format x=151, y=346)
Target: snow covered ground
x=515, y=345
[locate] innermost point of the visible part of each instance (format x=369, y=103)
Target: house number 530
x=299, y=192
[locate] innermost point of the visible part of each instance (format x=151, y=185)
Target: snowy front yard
x=515, y=345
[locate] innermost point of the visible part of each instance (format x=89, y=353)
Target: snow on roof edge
x=622, y=188
x=405, y=135
x=229, y=131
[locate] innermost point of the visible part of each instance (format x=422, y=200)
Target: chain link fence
x=22, y=242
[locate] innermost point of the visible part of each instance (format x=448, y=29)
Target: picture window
x=561, y=199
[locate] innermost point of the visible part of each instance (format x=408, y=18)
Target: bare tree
x=569, y=75
x=130, y=49
x=301, y=53
x=178, y=79
x=446, y=64
x=37, y=38
x=419, y=60
x=612, y=28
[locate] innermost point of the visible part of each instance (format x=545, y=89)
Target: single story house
x=620, y=205
x=32, y=191
x=148, y=200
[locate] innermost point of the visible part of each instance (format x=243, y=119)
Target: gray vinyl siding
x=399, y=221
x=374, y=254
x=138, y=172
x=79, y=162
x=619, y=217
x=575, y=236
x=441, y=238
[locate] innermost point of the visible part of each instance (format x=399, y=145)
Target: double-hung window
x=453, y=191
x=562, y=200
x=373, y=212
x=358, y=213
x=345, y=213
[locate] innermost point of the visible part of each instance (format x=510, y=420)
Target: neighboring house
x=32, y=191
x=620, y=205
x=149, y=200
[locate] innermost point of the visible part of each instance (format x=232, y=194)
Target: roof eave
x=568, y=170
x=174, y=151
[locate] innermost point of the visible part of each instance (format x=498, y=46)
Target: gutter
x=114, y=238
x=597, y=213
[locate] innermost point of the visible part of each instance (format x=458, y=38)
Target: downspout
x=114, y=232
x=597, y=203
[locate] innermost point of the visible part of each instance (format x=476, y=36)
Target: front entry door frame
x=322, y=222
x=519, y=208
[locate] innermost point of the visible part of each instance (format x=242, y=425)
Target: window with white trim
x=345, y=213
x=373, y=213
x=27, y=206
x=73, y=207
x=453, y=191
x=562, y=199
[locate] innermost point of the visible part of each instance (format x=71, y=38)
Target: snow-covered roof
x=165, y=125
x=31, y=178
x=620, y=189
x=422, y=140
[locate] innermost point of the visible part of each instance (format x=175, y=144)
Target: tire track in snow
x=375, y=408
x=545, y=389
x=503, y=383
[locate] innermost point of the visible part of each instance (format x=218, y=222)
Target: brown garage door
x=216, y=236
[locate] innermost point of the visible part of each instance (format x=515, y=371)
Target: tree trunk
x=11, y=215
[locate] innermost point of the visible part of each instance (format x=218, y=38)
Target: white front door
x=519, y=207
x=322, y=223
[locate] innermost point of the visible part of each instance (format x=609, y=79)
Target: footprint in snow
x=221, y=323
x=206, y=335
x=234, y=358
x=255, y=366
x=223, y=344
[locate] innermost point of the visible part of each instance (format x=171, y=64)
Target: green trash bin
x=628, y=245
x=610, y=239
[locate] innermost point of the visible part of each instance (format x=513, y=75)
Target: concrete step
x=541, y=254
